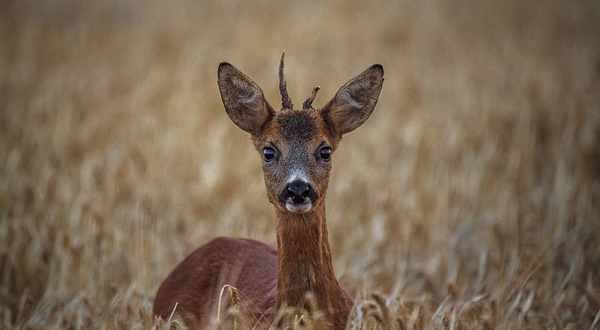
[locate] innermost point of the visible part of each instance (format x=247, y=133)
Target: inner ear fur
x=354, y=102
x=244, y=101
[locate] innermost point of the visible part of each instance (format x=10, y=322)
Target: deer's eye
x=325, y=154
x=268, y=154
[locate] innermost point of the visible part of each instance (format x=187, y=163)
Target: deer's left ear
x=355, y=101
x=244, y=101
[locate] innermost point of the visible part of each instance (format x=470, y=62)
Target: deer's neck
x=305, y=264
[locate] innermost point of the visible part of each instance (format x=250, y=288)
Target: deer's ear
x=355, y=101
x=244, y=101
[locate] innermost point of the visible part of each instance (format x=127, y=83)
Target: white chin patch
x=298, y=208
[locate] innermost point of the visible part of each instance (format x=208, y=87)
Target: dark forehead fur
x=297, y=125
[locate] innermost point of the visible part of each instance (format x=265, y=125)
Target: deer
x=296, y=147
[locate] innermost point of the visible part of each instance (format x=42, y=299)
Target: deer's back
x=195, y=284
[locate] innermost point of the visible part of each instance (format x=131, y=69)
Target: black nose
x=298, y=191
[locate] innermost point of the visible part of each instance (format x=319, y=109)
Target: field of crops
x=469, y=200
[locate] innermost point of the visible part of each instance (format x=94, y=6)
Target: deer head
x=297, y=145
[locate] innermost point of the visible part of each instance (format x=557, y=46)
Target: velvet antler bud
x=286, y=102
x=308, y=102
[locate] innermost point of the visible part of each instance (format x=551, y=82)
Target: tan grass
x=469, y=200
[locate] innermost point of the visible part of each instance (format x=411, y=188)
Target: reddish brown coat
x=268, y=279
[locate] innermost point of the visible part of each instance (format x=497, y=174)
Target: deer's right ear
x=243, y=99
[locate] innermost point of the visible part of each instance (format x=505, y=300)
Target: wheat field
x=469, y=200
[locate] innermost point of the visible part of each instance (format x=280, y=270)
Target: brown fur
x=268, y=279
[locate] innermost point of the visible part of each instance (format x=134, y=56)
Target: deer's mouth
x=302, y=207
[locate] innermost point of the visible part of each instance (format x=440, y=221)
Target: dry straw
x=470, y=199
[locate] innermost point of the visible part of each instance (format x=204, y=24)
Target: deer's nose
x=298, y=191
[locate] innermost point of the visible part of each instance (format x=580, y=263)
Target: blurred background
x=469, y=199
